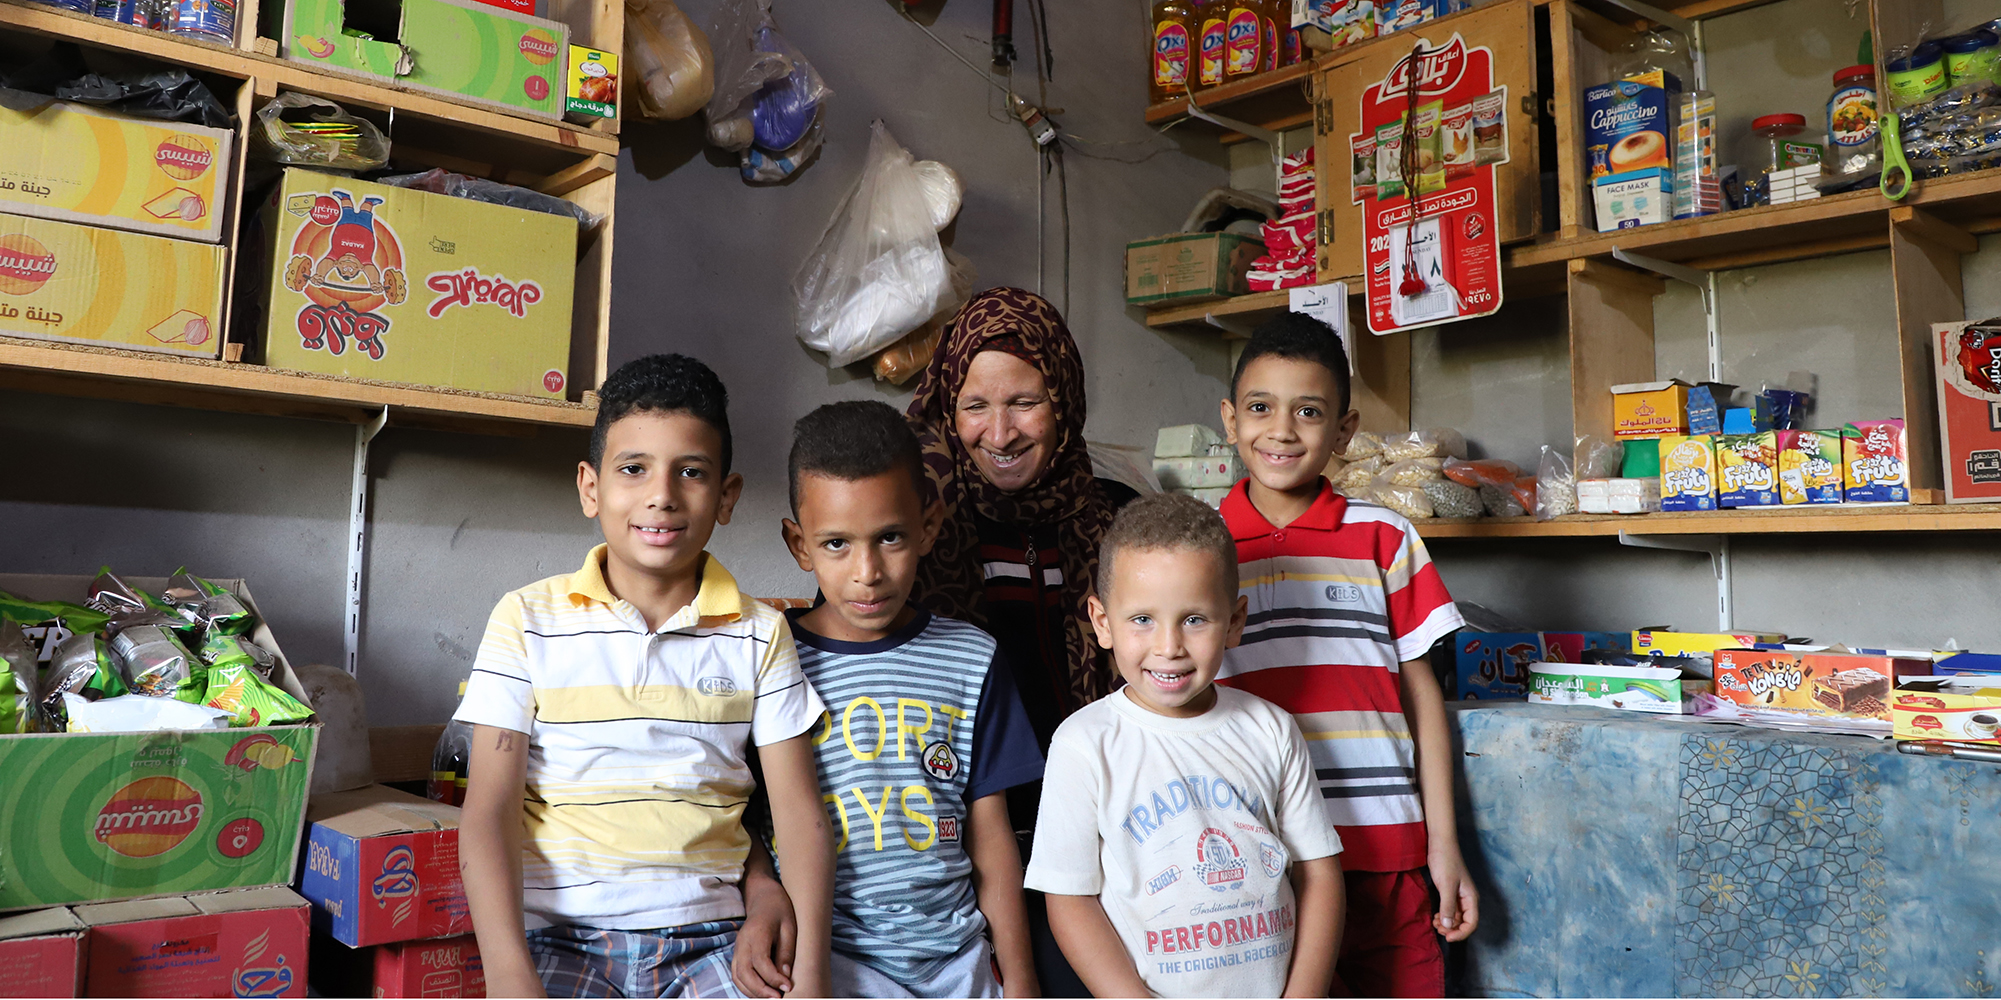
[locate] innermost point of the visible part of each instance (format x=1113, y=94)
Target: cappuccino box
x=1965, y=709
x=77, y=164
x=1874, y=453
x=386, y=283
x=41, y=954
x=459, y=48
x=88, y=285
x=1747, y=470
x=1810, y=467
x=105, y=816
x=250, y=943
x=383, y=866
x=448, y=968
x=1848, y=685
x=1629, y=124
x=1969, y=410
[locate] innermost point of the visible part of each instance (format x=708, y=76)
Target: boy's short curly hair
x=854, y=439
x=1297, y=337
x=1167, y=521
x=662, y=383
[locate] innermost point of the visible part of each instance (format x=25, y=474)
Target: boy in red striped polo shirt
x=1344, y=603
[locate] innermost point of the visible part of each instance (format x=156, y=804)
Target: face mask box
x=41, y=954
x=74, y=163
x=250, y=943
x=86, y=285
x=383, y=866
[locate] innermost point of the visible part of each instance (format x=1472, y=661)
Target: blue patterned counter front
x=1629, y=855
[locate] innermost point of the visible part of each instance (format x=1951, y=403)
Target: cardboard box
x=102, y=816
x=1634, y=198
x=387, y=283
x=1655, y=690
x=590, y=88
x=1688, y=472
x=41, y=954
x=1569, y=647
x=1671, y=643
x=1493, y=665
x=1747, y=467
x=1184, y=268
x=250, y=943
x=449, y=968
x=1629, y=125
x=1186, y=441
x=1810, y=467
x=74, y=163
x=1969, y=410
x=87, y=285
x=1874, y=453
x=1846, y=685
x=1199, y=472
x=383, y=866
x=1650, y=409
x=463, y=48
x=1964, y=709
x=1967, y=663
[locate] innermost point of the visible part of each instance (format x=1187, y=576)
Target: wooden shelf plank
x=243, y=64
x=1276, y=99
x=1833, y=518
x=1253, y=309
x=66, y=369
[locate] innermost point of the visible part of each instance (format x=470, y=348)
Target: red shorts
x=1388, y=947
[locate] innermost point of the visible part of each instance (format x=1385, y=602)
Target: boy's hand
x=764, y=947
x=1458, y=901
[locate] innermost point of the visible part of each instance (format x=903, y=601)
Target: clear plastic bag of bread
x=1556, y=486
x=1362, y=446
x=1481, y=472
x=1410, y=501
x=670, y=69
x=1439, y=442
x=1413, y=472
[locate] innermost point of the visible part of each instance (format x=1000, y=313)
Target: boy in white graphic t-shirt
x=1182, y=843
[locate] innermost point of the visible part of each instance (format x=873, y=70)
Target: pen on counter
x=1989, y=755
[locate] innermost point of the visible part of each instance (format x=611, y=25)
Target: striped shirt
x=637, y=738
x=921, y=724
x=1339, y=599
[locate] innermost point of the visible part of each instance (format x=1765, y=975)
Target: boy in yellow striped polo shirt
x=613, y=712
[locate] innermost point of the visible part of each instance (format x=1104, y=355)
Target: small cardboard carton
x=74, y=163
x=1655, y=690
x=1963, y=709
x=590, y=87
x=1747, y=467
x=1969, y=410
x=87, y=285
x=102, y=816
x=387, y=283
x=41, y=954
x=1198, y=472
x=1494, y=665
x=1629, y=124
x=249, y=943
x=1875, y=454
x=1688, y=472
x=464, y=48
x=383, y=866
x=448, y=968
x=1671, y=643
x=1184, y=268
x=1846, y=685
x=1650, y=409
x=1569, y=647
x=1810, y=467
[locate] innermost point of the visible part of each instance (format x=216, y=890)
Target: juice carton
x=1748, y=470
x=1650, y=409
x=1874, y=452
x=1809, y=467
x=592, y=85
x=1688, y=472
x=77, y=164
x=1969, y=410
x=1847, y=685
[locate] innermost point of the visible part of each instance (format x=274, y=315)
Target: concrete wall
x=704, y=265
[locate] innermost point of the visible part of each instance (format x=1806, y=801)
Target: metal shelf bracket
x=1228, y=324
x=357, y=537
x=1704, y=282
x=1716, y=547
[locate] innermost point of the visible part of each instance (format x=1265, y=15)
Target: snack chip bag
x=1874, y=452
x=224, y=650
x=1688, y=472
x=1810, y=467
x=83, y=665
x=215, y=609
x=17, y=680
x=157, y=665
x=1747, y=467
x=234, y=687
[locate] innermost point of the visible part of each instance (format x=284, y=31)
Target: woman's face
x=1007, y=420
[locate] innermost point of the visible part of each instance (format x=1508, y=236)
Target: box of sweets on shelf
x=75, y=163
x=1491, y=665
x=1569, y=647
x=1810, y=467
x=1688, y=472
x=1966, y=709
x=1874, y=453
x=1654, y=690
x=1747, y=467
x=1849, y=685
x=1668, y=642
x=1969, y=410
x=447, y=968
x=383, y=866
x=489, y=54
x=1650, y=409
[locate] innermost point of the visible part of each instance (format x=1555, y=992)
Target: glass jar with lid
x=1780, y=143
x=1853, y=145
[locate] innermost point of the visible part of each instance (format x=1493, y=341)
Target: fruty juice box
x=77, y=164
x=1688, y=472
x=1747, y=468
x=1847, y=685
x=86, y=285
x=1874, y=452
x=1810, y=467
x=1629, y=124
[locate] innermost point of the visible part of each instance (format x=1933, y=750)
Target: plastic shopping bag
x=900, y=362
x=674, y=71
x=742, y=69
x=878, y=272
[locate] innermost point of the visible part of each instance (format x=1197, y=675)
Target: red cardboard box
x=1969, y=410
x=448, y=968
x=383, y=866
x=1847, y=685
x=41, y=954
x=246, y=943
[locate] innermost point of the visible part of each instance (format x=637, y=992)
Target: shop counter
x=1630, y=855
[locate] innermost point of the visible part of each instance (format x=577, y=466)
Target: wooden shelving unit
x=1277, y=100
x=1834, y=518
x=426, y=130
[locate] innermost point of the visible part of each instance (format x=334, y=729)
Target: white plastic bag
x=669, y=64
x=878, y=272
x=942, y=191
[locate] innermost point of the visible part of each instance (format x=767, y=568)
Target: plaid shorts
x=688, y=961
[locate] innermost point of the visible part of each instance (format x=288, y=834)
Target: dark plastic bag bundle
x=440, y=181
x=786, y=107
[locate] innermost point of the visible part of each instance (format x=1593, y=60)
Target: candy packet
x=215, y=609
x=234, y=687
x=83, y=666
x=157, y=665
x=18, y=702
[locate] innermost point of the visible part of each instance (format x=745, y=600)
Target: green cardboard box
x=1655, y=690
x=1185, y=268
x=459, y=47
x=92, y=817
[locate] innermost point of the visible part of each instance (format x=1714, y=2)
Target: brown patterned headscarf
x=951, y=581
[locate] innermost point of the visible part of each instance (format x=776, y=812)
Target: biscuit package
x=1848, y=685
x=1629, y=124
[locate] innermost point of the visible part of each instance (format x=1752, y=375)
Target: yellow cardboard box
x=85, y=285
x=1965, y=709
x=398, y=285
x=1650, y=409
x=1668, y=643
x=78, y=164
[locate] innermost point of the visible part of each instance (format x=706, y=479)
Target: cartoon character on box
x=347, y=263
